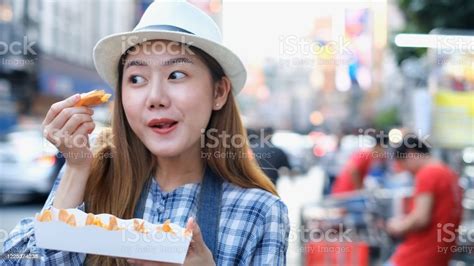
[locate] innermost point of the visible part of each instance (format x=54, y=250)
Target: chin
x=165, y=151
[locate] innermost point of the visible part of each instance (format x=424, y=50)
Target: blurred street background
x=323, y=76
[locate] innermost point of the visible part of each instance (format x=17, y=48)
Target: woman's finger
x=197, y=242
x=84, y=129
x=56, y=108
x=80, y=137
x=60, y=120
x=74, y=122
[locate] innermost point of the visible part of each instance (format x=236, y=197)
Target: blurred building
x=17, y=54
x=67, y=35
x=57, y=38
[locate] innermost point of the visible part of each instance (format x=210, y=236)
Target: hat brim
x=109, y=50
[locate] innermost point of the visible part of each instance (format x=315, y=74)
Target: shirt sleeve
x=20, y=246
x=361, y=161
x=425, y=182
x=271, y=248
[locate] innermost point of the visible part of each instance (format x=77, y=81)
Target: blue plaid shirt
x=254, y=227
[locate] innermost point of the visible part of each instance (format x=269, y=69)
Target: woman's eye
x=135, y=79
x=177, y=75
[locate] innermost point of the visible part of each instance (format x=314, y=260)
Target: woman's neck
x=173, y=172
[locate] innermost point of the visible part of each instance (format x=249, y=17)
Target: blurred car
x=27, y=163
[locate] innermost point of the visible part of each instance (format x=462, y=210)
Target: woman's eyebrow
x=135, y=63
x=179, y=60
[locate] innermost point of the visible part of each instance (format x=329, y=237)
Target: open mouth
x=164, y=125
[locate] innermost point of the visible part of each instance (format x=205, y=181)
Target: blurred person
x=332, y=165
x=429, y=231
x=151, y=163
x=271, y=159
x=359, y=165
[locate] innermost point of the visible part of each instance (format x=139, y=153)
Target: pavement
x=296, y=192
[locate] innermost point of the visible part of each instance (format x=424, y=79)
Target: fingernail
x=191, y=222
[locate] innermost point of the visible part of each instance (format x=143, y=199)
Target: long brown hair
x=122, y=164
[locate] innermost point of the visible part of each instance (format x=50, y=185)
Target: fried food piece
x=71, y=220
x=98, y=222
x=113, y=225
x=93, y=98
x=166, y=226
x=45, y=216
x=90, y=219
x=63, y=215
x=139, y=226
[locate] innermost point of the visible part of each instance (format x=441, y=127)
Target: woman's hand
x=198, y=253
x=67, y=127
x=394, y=227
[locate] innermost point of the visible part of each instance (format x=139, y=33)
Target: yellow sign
x=453, y=119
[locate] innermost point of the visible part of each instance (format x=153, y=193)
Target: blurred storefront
x=326, y=61
x=18, y=53
x=60, y=38
x=67, y=36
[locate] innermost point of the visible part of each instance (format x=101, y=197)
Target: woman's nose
x=158, y=96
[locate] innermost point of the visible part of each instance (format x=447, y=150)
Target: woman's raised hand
x=67, y=127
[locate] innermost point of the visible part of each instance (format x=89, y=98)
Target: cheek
x=132, y=113
x=198, y=109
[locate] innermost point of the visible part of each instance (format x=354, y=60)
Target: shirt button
x=161, y=208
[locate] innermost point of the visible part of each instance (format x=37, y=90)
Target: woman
x=173, y=115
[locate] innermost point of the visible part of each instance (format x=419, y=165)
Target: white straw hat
x=177, y=21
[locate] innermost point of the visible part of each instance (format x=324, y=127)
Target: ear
x=222, y=88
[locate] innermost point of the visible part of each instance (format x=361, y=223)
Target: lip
x=162, y=131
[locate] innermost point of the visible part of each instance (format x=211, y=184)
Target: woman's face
x=168, y=97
